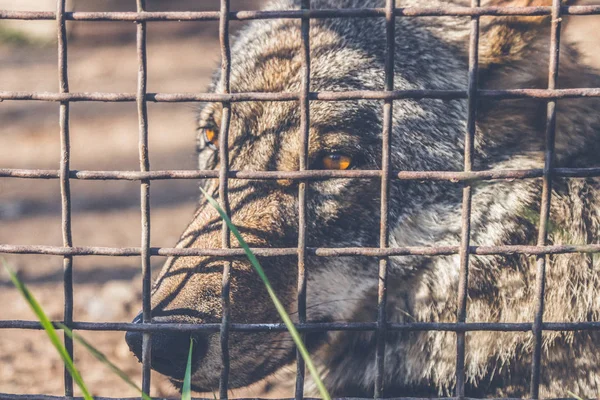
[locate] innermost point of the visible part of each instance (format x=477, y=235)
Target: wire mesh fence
x=304, y=175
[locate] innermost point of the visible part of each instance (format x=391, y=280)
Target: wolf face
x=428, y=135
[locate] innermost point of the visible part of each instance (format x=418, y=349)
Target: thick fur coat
x=428, y=135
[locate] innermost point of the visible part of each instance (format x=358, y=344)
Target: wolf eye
x=336, y=161
x=211, y=138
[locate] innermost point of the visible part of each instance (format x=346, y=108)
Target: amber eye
x=211, y=138
x=336, y=161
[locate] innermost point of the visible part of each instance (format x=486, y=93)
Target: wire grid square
x=145, y=175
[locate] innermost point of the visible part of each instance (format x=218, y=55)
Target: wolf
x=427, y=135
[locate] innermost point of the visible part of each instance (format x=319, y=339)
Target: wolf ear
x=520, y=44
x=514, y=54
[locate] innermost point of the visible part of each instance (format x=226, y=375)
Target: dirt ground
x=102, y=57
x=104, y=136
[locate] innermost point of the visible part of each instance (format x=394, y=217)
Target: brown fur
x=428, y=135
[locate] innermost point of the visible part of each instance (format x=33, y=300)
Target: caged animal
x=428, y=135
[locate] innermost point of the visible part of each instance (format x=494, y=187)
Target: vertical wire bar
x=463, y=280
x=546, y=199
x=223, y=189
x=390, y=27
x=65, y=186
x=302, y=189
x=142, y=110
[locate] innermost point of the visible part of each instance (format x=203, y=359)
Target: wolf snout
x=169, y=351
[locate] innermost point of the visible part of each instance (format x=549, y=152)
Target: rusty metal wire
x=463, y=280
x=142, y=110
x=347, y=13
x=508, y=94
x=540, y=281
x=388, y=116
x=44, y=397
x=302, y=190
x=312, y=327
x=65, y=187
x=451, y=176
x=315, y=251
x=225, y=88
x=467, y=177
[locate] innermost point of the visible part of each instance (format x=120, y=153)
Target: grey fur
x=431, y=53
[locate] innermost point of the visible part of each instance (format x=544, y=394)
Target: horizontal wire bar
x=547, y=94
x=7, y=396
x=451, y=176
x=310, y=326
x=314, y=251
x=296, y=14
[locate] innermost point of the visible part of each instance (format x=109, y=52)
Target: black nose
x=169, y=351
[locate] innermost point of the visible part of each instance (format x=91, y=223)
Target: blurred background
x=104, y=136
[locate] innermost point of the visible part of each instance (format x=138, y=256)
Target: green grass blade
x=574, y=395
x=50, y=331
x=186, y=390
x=280, y=309
x=103, y=359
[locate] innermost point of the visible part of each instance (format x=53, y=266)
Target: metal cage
x=465, y=178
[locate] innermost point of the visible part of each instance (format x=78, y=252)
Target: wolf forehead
x=267, y=57
x=271, y=61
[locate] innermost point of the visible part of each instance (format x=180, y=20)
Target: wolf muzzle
x=169, y=351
